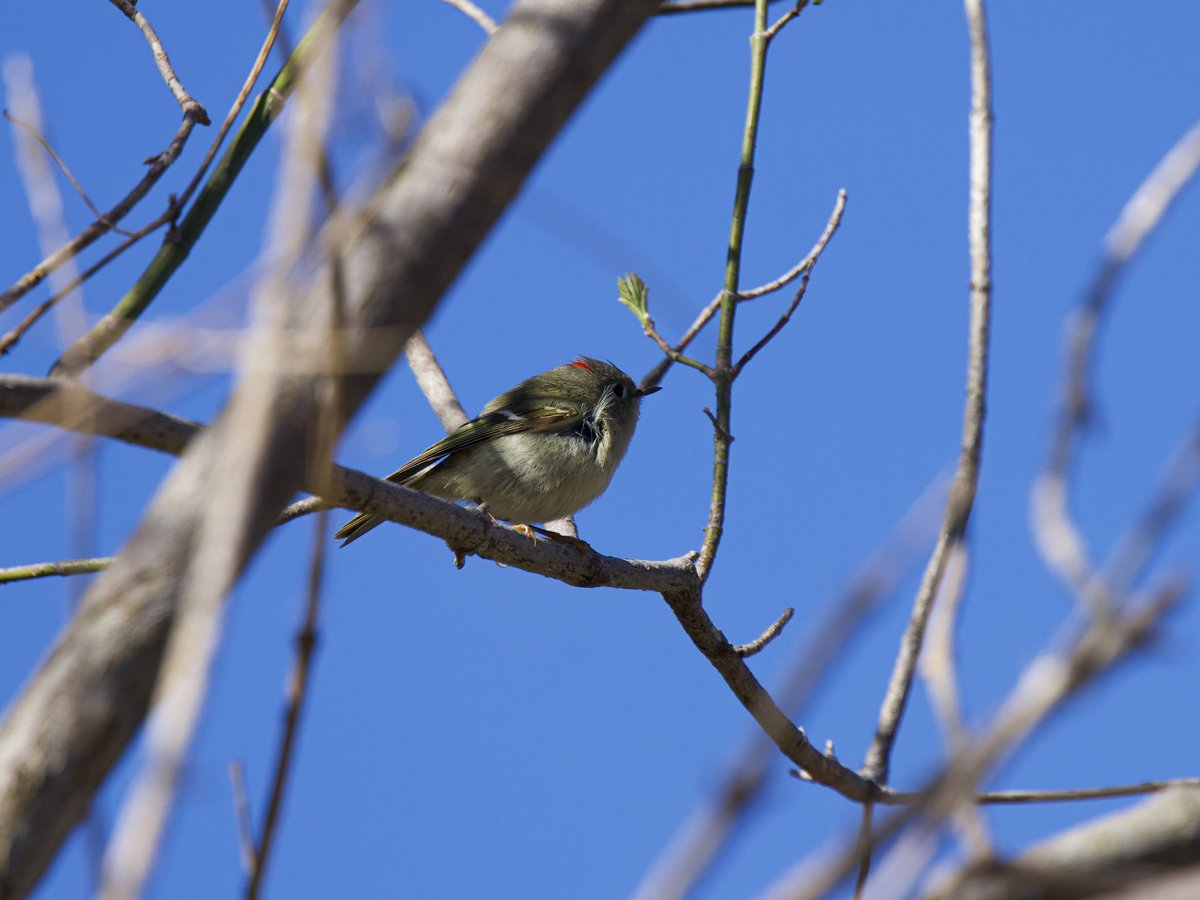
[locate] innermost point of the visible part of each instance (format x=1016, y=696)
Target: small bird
x=539, y=452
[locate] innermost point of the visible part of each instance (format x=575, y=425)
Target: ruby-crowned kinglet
x=539, y=452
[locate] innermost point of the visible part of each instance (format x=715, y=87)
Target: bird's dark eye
x=619, y=390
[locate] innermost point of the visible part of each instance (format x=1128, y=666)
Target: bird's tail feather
x=357, y=527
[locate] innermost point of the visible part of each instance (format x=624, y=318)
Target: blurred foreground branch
x=1112, y=853
x=399, y=254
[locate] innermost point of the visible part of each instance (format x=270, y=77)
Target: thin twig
x=46, y=206
x=50, y=569
x=41, y=188
x=191, y=108
x=723, y=380
x=1058, y=538
x=1100, y=793
x=962, y=495
x=475, y=14
x=686, y=6
x=1016, y=797
x=673, y=354
x=297, y=692
x=63, y=167
x=1045, y=685
x=432, y=380
x=1100, y=589
x=266, y=108
x=305, y=168
x=193, y=113
x=942, y=684
x=863, y=840
x=835, y=219
x=10, y=339
x=723, y=372
x=655, y=375
x=782, y=21
x=1176, y=484
x=102, y=225
x=773, y=631
x=805, y=268
x=260, y=60
x=938, y=661
x=241, y=814
x=724, y=435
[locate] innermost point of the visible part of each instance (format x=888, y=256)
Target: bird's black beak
x=646, y=392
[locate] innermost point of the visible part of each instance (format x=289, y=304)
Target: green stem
x=723, y=376
x=48, y=569
x=179, y=242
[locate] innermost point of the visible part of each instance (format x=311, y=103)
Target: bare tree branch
x=1070, y=794
x=35, y=133
x=804, y=269
x=220, y=544
x=962, y=494
x=113, y=325
x=1046, y=684
x=59, y=403
x=41, y=189
x=940, y=672
x=306, y=173
x=822, y=767
x=297, y=692
x=686, y=6
x=190, y=107
x=1059, y=540
x=771, y=632
x=1118, y=852
x=241, y=814
x=655, y=375
x=723, y=372
x=103, y=224
x=48, y=569
x=475, y=14
x=434, y=384
x=805, y=265
x=710, y=827
x=193, y=113
x=1133, y=551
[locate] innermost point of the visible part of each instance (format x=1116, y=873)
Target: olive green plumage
x=539, y=452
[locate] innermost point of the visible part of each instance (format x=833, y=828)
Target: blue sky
x=492, y=733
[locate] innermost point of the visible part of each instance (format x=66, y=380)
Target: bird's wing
x=487, y=427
